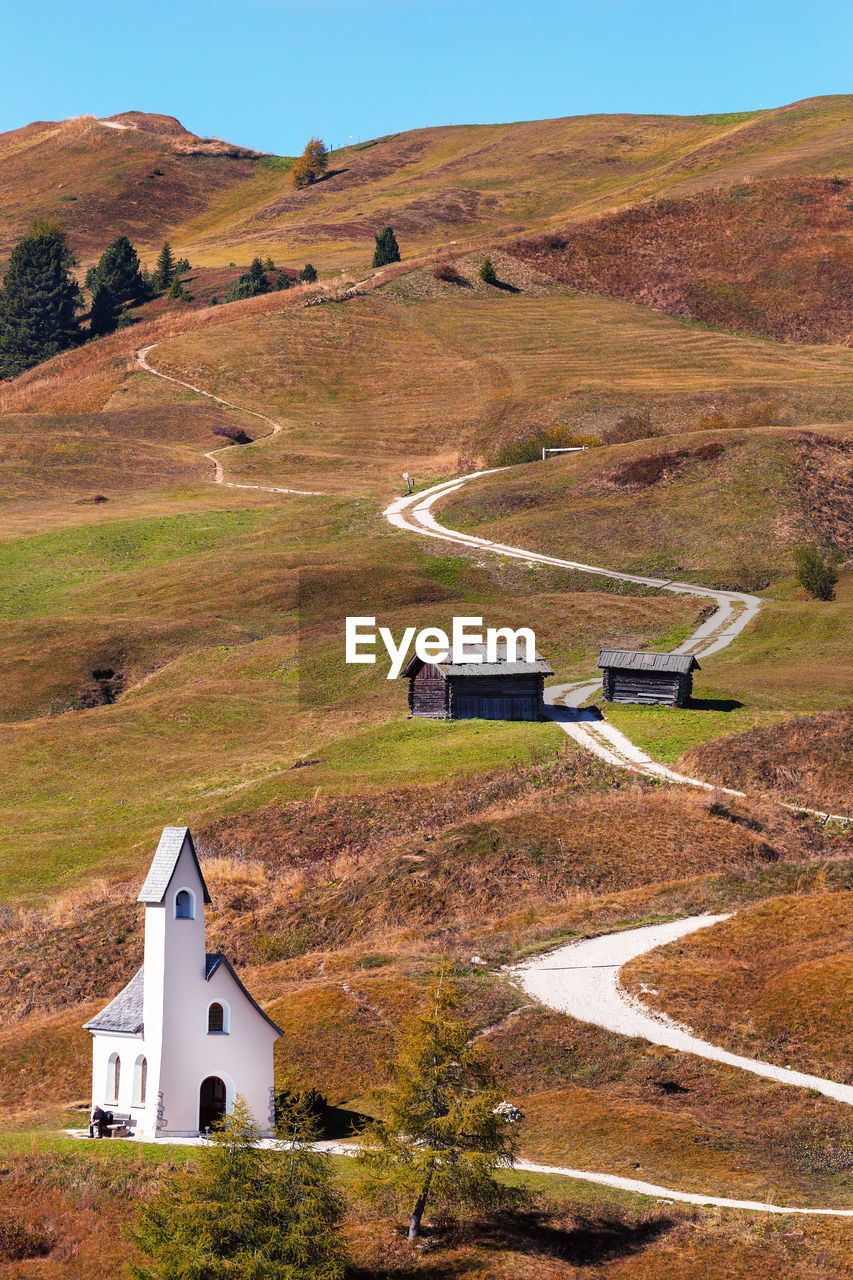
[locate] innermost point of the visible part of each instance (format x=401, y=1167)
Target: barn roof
x=124, y=1011
x=165, y=860
x=500, y=668
x=641, y=660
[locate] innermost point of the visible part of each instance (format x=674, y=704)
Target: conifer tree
x=308, y=274
x=103, y=316
x=387, y=249
x=308, y=167
x=487, y=272
x=257, y=275
x=38, y=300
x=118, y=269
x=445, y=1131
x=240, y=1213
x=164, y=272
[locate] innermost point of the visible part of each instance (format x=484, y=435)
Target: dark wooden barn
x=499, y=690
x=630, y=675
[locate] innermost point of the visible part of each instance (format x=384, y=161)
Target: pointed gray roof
x=165, y=860
x=502, y=667
x=124, y=1011
x=643, y=660
x=213, y=961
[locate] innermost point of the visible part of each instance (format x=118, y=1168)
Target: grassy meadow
x=173, y=652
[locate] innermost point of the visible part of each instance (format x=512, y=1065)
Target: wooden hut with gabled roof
x=501, y=690
x=635, y=675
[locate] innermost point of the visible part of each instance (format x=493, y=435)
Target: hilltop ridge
x=436, y=185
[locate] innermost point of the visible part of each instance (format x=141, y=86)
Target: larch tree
x=444, y=1131
x=242, y=1213
x=387, y=250
x=313, y=162
x=39, y=299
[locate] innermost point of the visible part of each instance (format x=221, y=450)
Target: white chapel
x=184, y=1036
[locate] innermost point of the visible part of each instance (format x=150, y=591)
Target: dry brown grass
x=806, y=761
x=774, y=982
x=770, y=257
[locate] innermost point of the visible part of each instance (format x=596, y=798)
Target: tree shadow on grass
x=341, y=1122
x=714, y=704
x=507, y=288
x=589, y=1241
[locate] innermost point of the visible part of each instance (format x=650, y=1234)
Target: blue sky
x=268, y=73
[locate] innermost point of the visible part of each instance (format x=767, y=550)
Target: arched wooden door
x=211, y=1102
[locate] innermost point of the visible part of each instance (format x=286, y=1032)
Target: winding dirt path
x=581, y=979
x=733, y=612
x=218, y=472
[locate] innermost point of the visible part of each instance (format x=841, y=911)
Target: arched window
x=113, y=1077
x=217, y=1019
x=140, y=1081
x=184, y=905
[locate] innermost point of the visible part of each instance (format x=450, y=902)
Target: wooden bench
x=122, y=1126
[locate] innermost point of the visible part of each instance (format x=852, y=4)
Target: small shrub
x=447, y=272
x=512, y=453
x=126, y=319
x=816, y=572
x=236, y=434
x=308, y=274
x=487, y=272
x=283, y=280
x=373, y=961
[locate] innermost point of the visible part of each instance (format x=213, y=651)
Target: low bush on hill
x=816, y=571
x=447, y=272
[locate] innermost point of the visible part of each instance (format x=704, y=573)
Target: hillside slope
x=146, y=175
x=767, y=257
x=133, y=174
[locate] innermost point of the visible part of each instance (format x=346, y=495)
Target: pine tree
x=103, y=316
x=241, y=1213
x=39, y=299
x=119, y=270
x=164, y=272
x=445, y=1130
x=258, y=276
x=387, y=249
x=308, y=273
x=487, y=272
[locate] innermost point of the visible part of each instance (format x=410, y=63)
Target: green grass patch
x=667, y=732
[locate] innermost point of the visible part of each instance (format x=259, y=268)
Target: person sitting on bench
x=100, y=1120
